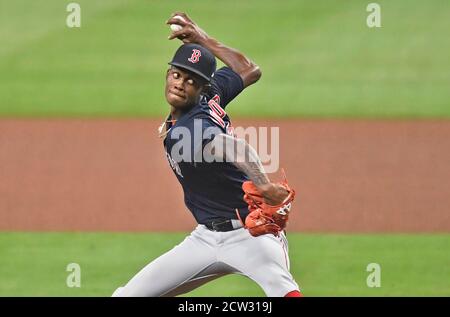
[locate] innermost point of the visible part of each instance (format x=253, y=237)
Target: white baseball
x=177, y=27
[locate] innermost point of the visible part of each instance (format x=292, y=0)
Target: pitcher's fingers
x=177, y=21
x=176, y=34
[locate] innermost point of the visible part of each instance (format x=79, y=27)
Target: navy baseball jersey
x=212, y=190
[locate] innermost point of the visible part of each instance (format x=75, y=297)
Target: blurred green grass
x=34, y=264
x=319, y=59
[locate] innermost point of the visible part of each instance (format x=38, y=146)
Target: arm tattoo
x=241, y=154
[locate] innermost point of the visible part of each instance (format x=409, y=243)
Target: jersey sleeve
x=226, y=84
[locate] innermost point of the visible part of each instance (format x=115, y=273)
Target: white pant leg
x=211, y=273
x=264, y=259
x=174, y=268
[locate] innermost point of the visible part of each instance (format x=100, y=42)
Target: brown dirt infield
x=111, y=175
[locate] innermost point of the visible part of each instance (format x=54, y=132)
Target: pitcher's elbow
x=252, y=76
x=256, y=73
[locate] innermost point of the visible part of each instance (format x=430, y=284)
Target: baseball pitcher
x=241, y=214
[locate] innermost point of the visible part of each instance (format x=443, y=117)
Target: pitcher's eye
x=190, y=81
x=176, y=75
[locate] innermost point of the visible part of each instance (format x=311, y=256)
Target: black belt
x=220, y=225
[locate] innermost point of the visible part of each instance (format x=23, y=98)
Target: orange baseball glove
x=265, y=217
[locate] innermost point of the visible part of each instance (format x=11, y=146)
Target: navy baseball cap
x=195, y=58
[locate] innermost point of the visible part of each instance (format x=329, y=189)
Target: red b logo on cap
x=195, y=57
